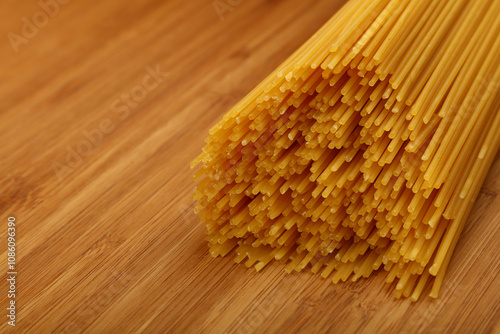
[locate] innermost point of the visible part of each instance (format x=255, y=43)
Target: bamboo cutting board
x=103, y=105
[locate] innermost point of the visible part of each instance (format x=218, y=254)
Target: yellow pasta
x=365, y=150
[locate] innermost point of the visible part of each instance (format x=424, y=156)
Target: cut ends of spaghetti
x=365, y=150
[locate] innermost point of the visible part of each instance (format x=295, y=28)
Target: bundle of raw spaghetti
x=366, y=149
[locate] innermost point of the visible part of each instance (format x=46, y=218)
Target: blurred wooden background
x=103, y=105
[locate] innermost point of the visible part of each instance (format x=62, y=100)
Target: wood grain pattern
x=110, y=243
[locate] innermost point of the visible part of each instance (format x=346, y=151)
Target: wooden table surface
x=103, y=105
